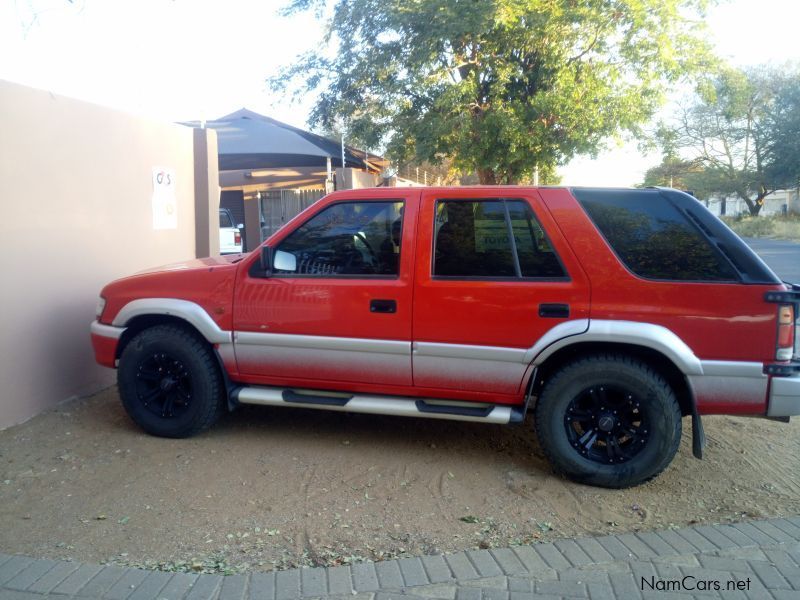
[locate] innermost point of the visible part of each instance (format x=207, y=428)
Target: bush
x=776, y=226
x=751, y=226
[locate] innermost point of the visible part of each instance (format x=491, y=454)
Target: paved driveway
x=755, y=559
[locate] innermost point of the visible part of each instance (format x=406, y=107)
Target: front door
x=496, y=278
x=337, y=307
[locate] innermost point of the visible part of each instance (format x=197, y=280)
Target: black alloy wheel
x=609, y=420
x=606, y=424
x=170, y=382
x=163, y=385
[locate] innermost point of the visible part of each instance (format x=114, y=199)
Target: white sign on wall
x=165, y=205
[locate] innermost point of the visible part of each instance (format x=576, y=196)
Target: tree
x=672, y=172
x=688, y=175
x=736, y=129
x=784, y=123
x=502, y=88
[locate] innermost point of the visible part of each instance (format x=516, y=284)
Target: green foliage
x=743, y=132
x=783, y=122
x=498, y=87
x=688, y=175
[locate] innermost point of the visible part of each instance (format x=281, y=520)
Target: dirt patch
x=272, y=488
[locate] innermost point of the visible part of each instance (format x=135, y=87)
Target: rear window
x=652, y=237
x=225, y=219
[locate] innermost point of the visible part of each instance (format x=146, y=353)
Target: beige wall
x=76, y=191
x=354, y=179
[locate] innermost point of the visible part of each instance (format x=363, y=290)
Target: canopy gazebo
x=281, y=168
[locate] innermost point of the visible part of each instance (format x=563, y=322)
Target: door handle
x=554, y=311
x=382, y=306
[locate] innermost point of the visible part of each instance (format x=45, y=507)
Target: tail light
x=237, y=238
x=785, y=332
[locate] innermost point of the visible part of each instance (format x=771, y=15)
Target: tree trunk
x=752, y=205
x=756, y=206
x=487, y=177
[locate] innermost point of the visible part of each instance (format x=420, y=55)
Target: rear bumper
x=105, y=339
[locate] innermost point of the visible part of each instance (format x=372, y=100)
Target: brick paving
x=756, y=559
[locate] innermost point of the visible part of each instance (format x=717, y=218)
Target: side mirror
x=284, y=261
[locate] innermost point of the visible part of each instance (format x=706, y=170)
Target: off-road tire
x=621, y=372
x=201, y=375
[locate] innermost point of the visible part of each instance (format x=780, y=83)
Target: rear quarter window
x=652, y=237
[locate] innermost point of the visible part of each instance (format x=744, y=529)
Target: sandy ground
x=271, y=488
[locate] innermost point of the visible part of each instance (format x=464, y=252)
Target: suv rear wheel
x=169, y=382
x=608, y=420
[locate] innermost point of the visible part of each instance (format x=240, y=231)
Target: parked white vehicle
x=230, y=236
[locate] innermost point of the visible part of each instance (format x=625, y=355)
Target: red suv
x=607, y=313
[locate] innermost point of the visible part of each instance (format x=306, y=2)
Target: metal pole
x=343, y=149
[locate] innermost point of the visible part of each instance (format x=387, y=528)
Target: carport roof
x=248, y=140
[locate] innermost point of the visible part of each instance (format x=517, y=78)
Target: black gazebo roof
x=248, y=140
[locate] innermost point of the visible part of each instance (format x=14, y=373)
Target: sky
x=178, y=60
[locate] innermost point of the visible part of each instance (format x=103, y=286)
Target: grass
x=776, y=226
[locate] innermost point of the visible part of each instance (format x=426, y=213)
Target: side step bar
x=381, y=405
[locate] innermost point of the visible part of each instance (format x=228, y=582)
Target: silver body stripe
x=318, y=342
x=733, y=368
x=226, y=353
x=466, y=352
x=470, y=374
x=324, y=363
x=730, y=381
x=784, y=397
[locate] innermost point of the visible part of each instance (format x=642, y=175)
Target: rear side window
x=473, y=239
x=652, y=237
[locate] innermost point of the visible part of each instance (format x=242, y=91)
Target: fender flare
x=649, y=335
x=190, y=312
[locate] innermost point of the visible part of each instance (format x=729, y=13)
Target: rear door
x=485, y=296
x=340, y=309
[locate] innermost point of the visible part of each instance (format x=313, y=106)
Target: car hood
x=208, y=282
x=196, y=264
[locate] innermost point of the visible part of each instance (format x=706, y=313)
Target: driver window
x=348, y=238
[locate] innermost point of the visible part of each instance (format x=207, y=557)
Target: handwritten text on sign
x=165, y=205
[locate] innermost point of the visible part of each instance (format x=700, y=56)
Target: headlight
x=101, y=305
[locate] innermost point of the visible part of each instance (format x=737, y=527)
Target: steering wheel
x=372, y=255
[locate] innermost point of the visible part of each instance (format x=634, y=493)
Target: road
x=782, y=256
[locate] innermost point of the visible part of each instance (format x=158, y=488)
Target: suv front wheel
x=608, y=420
x=169, y=382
